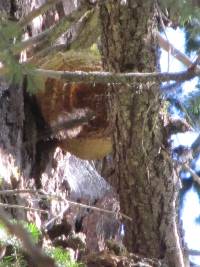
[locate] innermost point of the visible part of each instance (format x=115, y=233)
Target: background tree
x=144, y=178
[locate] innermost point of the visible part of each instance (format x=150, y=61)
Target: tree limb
x=177, y=125
x=167, y=46
x=193, y=252
x=195, y=177
x=108, y=77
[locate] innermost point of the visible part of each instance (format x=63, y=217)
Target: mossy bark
x=145, y=179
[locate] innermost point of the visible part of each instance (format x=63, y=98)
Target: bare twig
x=56, y=197
x=97, y=209
x=18, y=191
x=15, y=206
x=35, y=253
x=43, y=194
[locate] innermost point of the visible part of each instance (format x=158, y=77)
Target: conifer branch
x=51, y=34
x=36, y=12
x=107, y=77
x=79, y=25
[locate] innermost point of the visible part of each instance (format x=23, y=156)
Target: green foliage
x=90, y=32
x=33, y=231
x=34, y=82
x=192, y=33
x=191, y=106
x=10, y=36
x=62, y=257
x=16, y=258
x=9, y=33
x=8, y=239
x=181, y=11
x=186, y=14
x=194, y=108
x=7, y=261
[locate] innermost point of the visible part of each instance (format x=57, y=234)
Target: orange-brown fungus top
x=61, y=101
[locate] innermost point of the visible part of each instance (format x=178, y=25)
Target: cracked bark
x=144, y=175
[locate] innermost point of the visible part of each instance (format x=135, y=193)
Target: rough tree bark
x=145, y=179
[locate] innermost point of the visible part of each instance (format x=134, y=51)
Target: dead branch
x=108, y=77
x=43, y=194
x=167, y=46
x=123, y=78
x=15, y=206
x=17, y=191
x=179, y=125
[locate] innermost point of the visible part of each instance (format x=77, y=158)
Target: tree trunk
x=145, y=179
